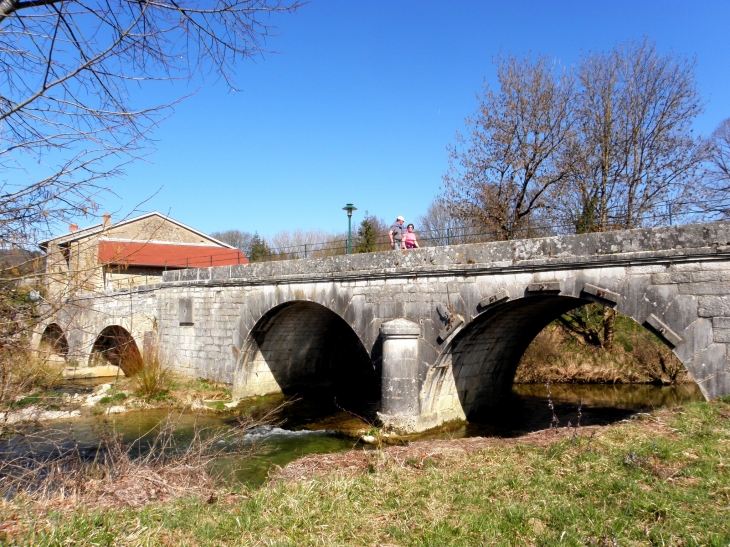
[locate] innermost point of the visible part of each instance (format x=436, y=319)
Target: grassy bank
x=660, y=479
x=637, y=357
x=35, y=381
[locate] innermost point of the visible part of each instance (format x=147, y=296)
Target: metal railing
x=664, y=214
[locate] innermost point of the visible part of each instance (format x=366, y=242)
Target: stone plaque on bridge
x=185, y=312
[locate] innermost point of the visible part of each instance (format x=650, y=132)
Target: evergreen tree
x=367, y=236
x=260, y=251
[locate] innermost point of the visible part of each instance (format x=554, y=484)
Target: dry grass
x=24, y=377
x=115, y=477
x=637, y=357
x=22, y=372
x=152, y=376
x=123, y=474
x=416, y=455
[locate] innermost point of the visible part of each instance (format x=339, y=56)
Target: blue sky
x=361, y=99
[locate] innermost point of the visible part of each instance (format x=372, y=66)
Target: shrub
x=23, y=372
x=152, y=377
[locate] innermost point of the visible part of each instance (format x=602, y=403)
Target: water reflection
x=528, y=410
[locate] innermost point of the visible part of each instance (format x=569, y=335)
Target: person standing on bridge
x=409, y=238
x=396, y=234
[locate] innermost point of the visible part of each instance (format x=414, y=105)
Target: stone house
x=132, y=252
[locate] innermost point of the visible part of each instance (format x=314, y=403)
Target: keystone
x=599, y=292
x=499, y=296
x=544, y=286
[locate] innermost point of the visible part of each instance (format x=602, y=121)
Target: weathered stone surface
x=714, y=275
x=499, y=296
x=544, y=286
x=705, y=288
x=665, y=278
x=721, y=322
x=714, y=306
x=681, y=312
x=602, y=293
x=663, y=330
x=721, y=335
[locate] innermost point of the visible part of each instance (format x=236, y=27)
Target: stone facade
x=72, y=260
x=467, y=314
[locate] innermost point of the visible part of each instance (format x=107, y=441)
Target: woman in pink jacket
x=409, y=238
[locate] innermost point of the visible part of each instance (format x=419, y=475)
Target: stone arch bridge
x=437, y=332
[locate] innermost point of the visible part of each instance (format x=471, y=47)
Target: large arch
x=476, y=371
x=116, y=346
x=301, y=346
x=54, y=342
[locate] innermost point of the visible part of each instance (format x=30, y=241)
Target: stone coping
x=672, y=244
x=709, y=241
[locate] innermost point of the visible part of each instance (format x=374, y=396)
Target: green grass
x=659, y=480
x=114, y=398
x=42, y=398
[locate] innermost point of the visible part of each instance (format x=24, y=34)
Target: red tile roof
x=134, y=253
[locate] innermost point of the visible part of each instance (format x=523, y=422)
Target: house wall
x=158, y=229
x=79, y=270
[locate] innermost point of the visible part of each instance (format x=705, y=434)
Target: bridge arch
x=302, y=346
x=477, y=369
x=53, y=341
x=116, y=346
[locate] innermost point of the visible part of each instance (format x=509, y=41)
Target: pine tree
x=260, y=251
x=366, y=241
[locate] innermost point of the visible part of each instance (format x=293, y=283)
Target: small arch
x=303, y=347
x=116, y=346
x=54, y=342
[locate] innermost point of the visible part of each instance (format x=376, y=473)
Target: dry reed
x=124, y=474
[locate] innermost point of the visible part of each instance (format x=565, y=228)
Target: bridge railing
x=665, y=214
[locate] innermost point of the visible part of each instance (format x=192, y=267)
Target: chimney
x=107, y=220
x=72, y=228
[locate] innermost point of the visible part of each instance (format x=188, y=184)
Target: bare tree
x=513, y=155
x=70, y=111
x=439, y=226
x=634, y=146
x=288, y=244
x=717, y=173
x=720, y=154
x=79, y=96
x=240, y=240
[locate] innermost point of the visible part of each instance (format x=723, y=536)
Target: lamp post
x=349, y=208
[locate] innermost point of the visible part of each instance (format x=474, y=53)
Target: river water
x=306, y=426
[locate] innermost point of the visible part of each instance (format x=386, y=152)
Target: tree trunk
x=609, y=318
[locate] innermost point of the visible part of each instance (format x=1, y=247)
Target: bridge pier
x=400, y=395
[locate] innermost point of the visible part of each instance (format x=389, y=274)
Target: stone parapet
x=709, y=241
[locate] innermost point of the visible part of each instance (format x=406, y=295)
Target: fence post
x=305, y=250
x=669, y=209
x=448, y=236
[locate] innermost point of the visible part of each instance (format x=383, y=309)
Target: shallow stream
x=317, y=426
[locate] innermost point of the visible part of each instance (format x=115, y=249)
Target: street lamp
x=349, y=208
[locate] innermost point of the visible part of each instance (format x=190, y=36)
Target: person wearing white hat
x=396, y=234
